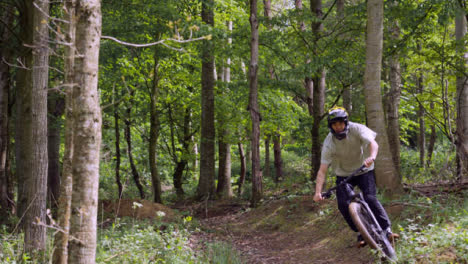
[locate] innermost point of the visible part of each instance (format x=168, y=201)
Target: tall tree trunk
x=224, y=171
x=56, y=105
x=393, y=105
x=117, y=146
x=462, y=96
x=422, y=124
x=243, y=168
x=432, y=140
x=87, y=134
x=128, y=139
x=347, y=89
x=257, y=191
x=6, y=198
x=386, y=175
x=277, y=154
x=32, y=124
x=206, y=184
x=318, y=90
x=318, y=109
x=267, y=172
x=224, y=188
x=60, y=254
x=154, y=131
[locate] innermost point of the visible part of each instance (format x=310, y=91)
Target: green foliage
x=442, y=166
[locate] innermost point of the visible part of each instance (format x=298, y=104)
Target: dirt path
x=284, y=231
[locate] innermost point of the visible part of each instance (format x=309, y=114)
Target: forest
x=191, y=131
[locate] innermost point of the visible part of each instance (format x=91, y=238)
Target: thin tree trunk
x=386, y=175
x=154, y=132
x=267, y=172
x=87, y=134
x=60, y=254
x=224, y=188
x=243, y=168
x=128, y=139
x=318, y=109
x=422, y=125
x=462, y=97
x=277, y=154
x=206, y=185
x=319, y=91
x=393, y=119
x=117, y=147
x=257, y=191
x=56, y=108
x=6, y=199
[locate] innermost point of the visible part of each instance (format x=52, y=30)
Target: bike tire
x=370, y=234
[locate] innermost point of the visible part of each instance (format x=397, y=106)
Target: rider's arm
x=319, y=182
x=373, y=150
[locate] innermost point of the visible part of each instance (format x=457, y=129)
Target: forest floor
x=285, y=228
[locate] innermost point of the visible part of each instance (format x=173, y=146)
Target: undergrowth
x=136, y=241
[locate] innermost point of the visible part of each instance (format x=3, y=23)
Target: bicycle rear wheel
x=369, y=230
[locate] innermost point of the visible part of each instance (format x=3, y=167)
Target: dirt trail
x=294, y=230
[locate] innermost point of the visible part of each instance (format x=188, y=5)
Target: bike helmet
x=338, y=114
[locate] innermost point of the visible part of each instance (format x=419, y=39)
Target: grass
x=129, y=241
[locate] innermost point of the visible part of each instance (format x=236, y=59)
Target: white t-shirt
x=348, y=154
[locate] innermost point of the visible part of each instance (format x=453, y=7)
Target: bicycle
x=365, y=220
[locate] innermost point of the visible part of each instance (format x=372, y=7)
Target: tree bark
x=117, y=147
x=393, y=119
x=56, y=105
x=318, y=90
x=87, y=134
x=32, y=125
x=432, y=140
x=154, y=132
x=386, y=175
x=257, y=191
x=224, y=188
x=6, y=194
x=462, y=98
x=206, y=184
x=267, y=172
x=60, y=254
x=243, y=168
x=318, y=109
x=277, y=154
x=128, y=139
x=422, y=125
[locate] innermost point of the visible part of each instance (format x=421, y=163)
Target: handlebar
x=327, y=194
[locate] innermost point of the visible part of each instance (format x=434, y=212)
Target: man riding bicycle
x=348, y=146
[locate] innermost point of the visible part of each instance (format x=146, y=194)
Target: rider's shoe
x=360, y=241
x=392, y=236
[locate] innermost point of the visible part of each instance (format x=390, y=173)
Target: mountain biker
x=348, y=146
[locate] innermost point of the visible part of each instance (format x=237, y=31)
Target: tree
x=154, y=130
x=87, y=133
x=60, y=254
x=393, y=99
x=386, y=175
x=224, y=188
x=6, y=195
x=318, y=82
x=254, y=110
x=206, y=184
x=32, y=123
x=462, y=93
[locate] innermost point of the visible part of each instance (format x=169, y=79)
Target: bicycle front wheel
x=369, y=230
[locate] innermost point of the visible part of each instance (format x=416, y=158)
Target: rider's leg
x=367, y=185
x=343, y=197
